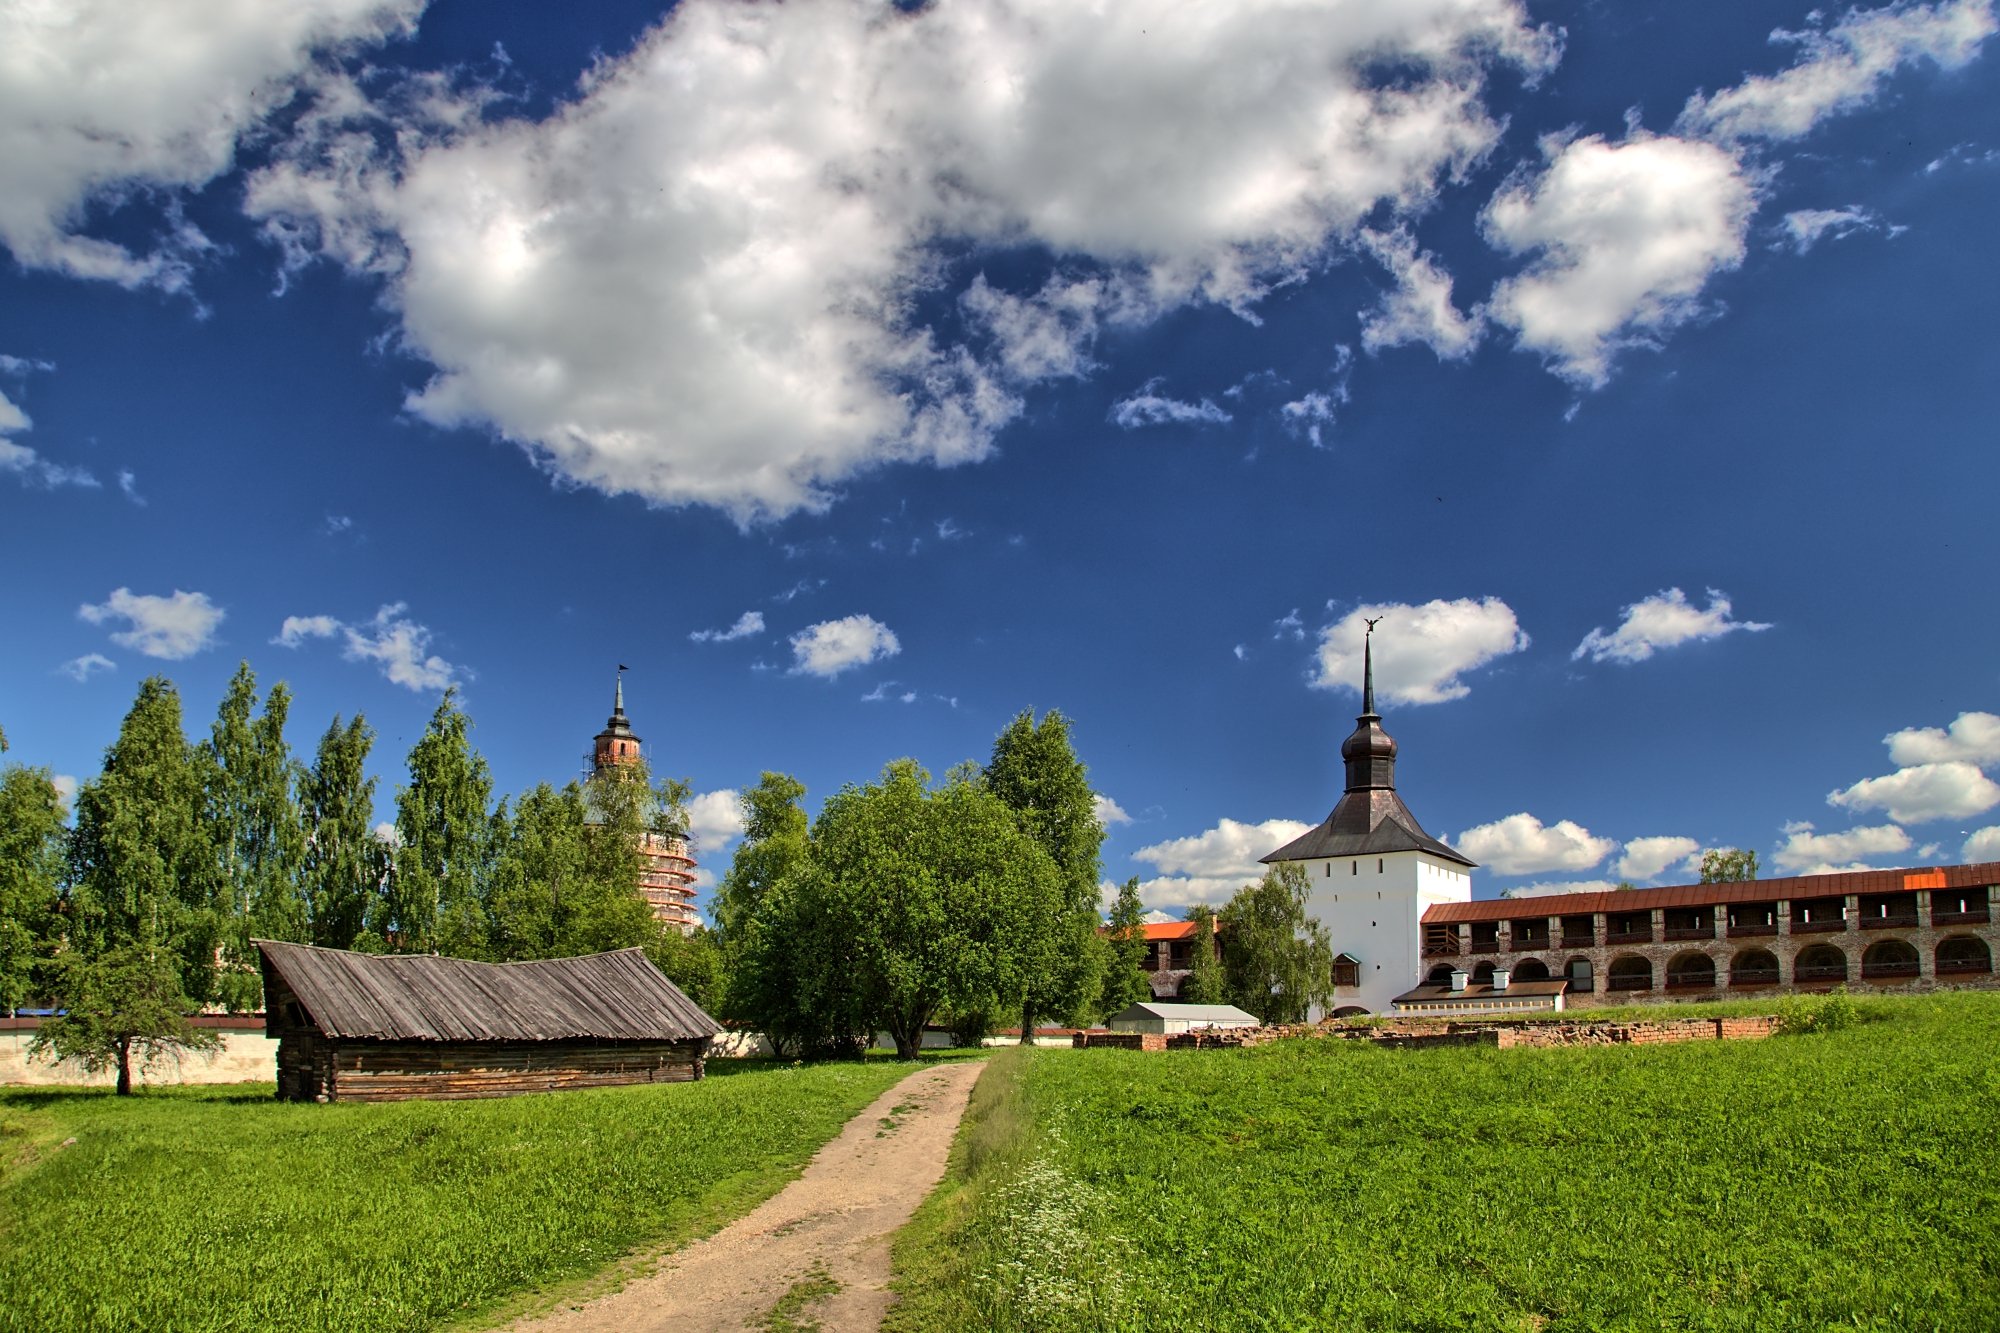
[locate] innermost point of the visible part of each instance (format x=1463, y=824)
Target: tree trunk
x=1027, y=1022
x=124, y=1066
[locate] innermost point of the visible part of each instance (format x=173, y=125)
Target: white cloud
x=128, y=484
x=1805, y=852
x=1664, y=620
x=1625, y=236
x=80, y=669
x=694, y=281
x=19, y=460
x=170, y=628
x=1552, y=888
x=834, y=646
x=65, y=786
x=1419, y=309
x=800, y=589
x=747, y=624
x=1108, y=811
x=1953, y=789
x=1983, y=845
x=1521, y=844
x=1646, y=858
x=715, y=820
x=1806, y=227
x=1211, y=866
x=1424, y=649
x=1289, y=626
x=1148, y=407
x=1973, y=738
x=886, y=690
x=101, y=100
x=1312, y=415
x=1841, y=67
x=399, y=645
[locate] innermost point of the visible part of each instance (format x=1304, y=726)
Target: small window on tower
x=1354, y=866
x=1378, y=865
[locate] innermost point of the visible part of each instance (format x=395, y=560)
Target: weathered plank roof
x=1981, y=875
x=617, y=996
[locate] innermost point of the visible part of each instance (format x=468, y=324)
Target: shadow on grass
x=42, y=1098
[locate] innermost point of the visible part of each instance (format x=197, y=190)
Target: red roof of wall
x=1984, y=874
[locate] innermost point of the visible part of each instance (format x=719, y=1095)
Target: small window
x=1355, y=866
x=1378, y=865
x=1329, y=869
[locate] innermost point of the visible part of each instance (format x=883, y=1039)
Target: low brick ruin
x=1449, y=1032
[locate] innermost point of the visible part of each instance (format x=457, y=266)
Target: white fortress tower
x=1372, y=868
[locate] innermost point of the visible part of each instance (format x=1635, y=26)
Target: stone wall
x=247, y=1056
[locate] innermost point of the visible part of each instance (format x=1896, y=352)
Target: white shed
x=1172, y=1018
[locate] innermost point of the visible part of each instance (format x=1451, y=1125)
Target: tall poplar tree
x=140, y=853
x=436, y=899
x=342, y=863
x=1035, y=771
x=142, y=931
x=252, y=817
x=32, y=847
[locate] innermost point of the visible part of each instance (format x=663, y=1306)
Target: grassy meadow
x=1836, y=1179
x=217, y=1208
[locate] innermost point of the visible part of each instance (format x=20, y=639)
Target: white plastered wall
x=1372, y=908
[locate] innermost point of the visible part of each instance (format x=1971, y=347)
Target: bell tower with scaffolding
x=666, y=875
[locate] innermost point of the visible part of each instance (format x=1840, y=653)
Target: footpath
x=820, y=1245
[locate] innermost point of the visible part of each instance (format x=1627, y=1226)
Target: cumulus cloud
x=1624, y=237
x=18, y=460
x=695, y=281
x=1521, y=844
x=1419, y=308
x=1664, y=620
x=1108, y=811
x=1972, y=738
x=1953, y=789
x=747, y=624
x=101, y=100
x=170, y=628
x=715, y=819
x=1805, y=852
x=834, y=646
x=1646, y=858
x=1840, y=68
x=1423, y=650
x=1550, y=889
x=394, y=642
x=1983, y=845
x=1806, y=227
x=65, y=786
x=1148, y=407
x=1211, y=866
x=80, y=669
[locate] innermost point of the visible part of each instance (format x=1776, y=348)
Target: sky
x=860, y=375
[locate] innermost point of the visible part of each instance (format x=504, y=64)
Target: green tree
x=437, y=883
x=1125, y=981
x=342, y=863
x=1279, y=961
x=1728, y=865
x=933, y=898
x=140, y=853
x=1035, y=772
x=563, y=885
x=774, y=841
x=123, y=1002
x=33, y=846
x=1206, y=983
x=250, y=810
x=694, y=962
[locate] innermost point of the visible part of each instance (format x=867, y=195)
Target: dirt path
x=830, y=1226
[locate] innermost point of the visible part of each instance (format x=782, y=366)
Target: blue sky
x=862, y=375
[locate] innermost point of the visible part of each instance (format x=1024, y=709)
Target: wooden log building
x=363, y=1027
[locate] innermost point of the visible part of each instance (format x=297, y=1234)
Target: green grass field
x=218, y=1209
x=1842, y=1179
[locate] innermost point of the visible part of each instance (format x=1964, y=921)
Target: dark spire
x=1368, y=669
x=1370, y=818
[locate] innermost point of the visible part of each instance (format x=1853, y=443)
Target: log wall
x=316, y=1068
